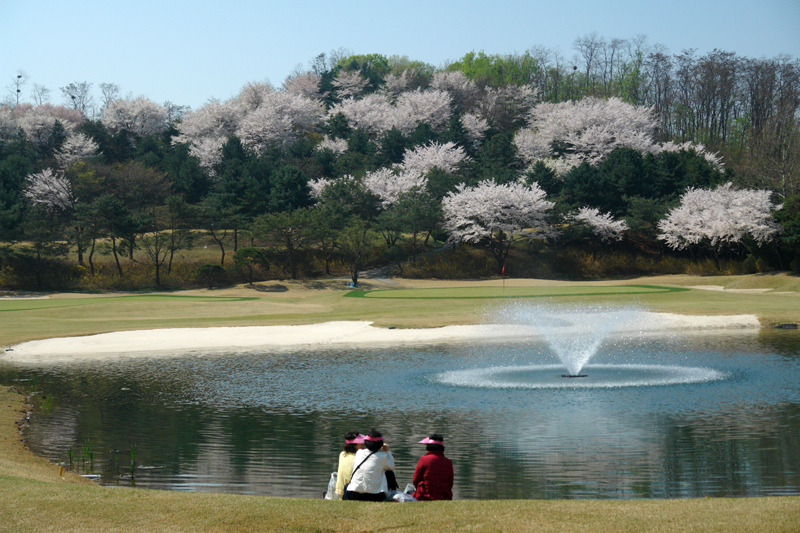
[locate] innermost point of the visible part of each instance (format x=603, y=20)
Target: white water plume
x=573, y=332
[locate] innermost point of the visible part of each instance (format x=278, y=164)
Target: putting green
x=510, y=292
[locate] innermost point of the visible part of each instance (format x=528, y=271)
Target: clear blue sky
x=189, y=51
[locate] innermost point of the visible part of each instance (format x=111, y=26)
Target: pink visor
x=373, y=439
x=428, y=440
x=358, y=440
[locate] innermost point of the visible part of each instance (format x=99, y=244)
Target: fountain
x=575, y=334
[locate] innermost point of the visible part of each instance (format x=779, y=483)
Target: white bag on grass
x=330, y=494
x=397, y=496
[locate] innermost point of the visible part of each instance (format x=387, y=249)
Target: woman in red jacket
x=433, y=477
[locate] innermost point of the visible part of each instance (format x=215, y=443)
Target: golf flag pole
x=503, y=271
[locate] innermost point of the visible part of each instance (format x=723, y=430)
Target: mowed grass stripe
x=469, y=293
x=31, y=304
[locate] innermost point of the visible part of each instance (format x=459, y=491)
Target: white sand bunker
x=216, y=339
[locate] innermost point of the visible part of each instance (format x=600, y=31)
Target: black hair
x=374, y=445
x=435, y=447
x=350, y=448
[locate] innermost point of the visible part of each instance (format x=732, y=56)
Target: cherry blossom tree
x=395, y=84
x=388, y=184
x=370, y=113
x=415, y=107
x=317, y=186
x=597, y=229
x=214, y=120
x=259, y=116
x=713, y=159
x=506, y=106
x=721, y=217
x=337, y=146
x=77, y=147
x=253, y=95
x=602, y=225
x=51, y=189
x=207, y=129
x=587, y=130
x=475, y=126
x=281, y=118
x=448, y=157
x=463, y=91
x=39, y=123
x=303, y=85
x=497, y=214
x=138, y=116
x=376, y=113
x=349, y=83
x=208, y=151
x=38, y=127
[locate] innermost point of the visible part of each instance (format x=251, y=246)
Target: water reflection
x=272, y=423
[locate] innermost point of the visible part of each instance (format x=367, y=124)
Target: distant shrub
x=749, y=265
x=210, y=275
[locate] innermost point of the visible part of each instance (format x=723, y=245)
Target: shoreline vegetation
x=39, y=499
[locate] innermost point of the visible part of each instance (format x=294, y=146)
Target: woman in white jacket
x=368, y=482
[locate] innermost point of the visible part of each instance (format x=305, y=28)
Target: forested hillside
x=625, y=160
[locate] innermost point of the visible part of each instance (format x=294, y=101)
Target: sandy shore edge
x=328, y=334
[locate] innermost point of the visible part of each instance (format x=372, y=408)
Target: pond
x=657, y=417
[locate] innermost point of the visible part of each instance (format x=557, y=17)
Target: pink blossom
x=590, y=129
x=337, y=146
x=281, y=117
x=720, y=216
x=77, y=147
x=448, y=157
x=389, y=184
x=303, y=85
x=50, y=188
x=139, y=116
x=475, y=213
x=602, y=225
x=349, y=84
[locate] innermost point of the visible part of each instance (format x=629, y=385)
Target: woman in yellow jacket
x=352, y=443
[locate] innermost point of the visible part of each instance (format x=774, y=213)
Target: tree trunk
x=91, y=255
x=290, y=258
x=116, y=257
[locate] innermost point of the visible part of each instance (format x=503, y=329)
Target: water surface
x=660, y=417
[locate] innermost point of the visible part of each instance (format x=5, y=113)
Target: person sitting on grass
x=368, y=481
x=433, y=477
x=352, y=443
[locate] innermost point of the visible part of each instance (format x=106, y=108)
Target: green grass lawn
x=409, y=303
